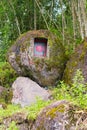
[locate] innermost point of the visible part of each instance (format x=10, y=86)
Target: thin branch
x=42, y=14
x=16, y=19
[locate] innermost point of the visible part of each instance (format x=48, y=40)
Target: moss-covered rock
x=45, y=70
x=61, y=115
x=78, y=60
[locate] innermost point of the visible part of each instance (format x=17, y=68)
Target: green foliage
x=12, y=126
x=11, y=109
x=5, y=40
x=24, y=15
x=7, y=74
x=2, y=127
x=75, y=93
x=61, y=91
x=32, y=110
x=6, y=97
x=79, y=90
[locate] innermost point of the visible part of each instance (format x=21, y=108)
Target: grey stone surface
x=25, y=92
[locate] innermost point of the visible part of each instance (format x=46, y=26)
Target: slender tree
x=35, y=17
x=16, y=19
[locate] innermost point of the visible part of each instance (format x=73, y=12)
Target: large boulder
x=61, y=115
x=78, y=61
x=38, y=55
x=26, y=92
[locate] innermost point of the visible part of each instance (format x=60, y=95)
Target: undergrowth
x=13, y=126
x=32, y=110
x=76, y=93
x=7, y=74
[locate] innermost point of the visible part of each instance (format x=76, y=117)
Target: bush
x=75, y=93
x=7, y=74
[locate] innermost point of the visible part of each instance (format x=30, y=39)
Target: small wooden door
x=40, y=47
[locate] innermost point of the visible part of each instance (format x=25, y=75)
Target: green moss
x=39, y=62
x=7, y=74
x=46, y=81
x=52, y=112
x=74, y=64
x=18, y=58
x=82, y=55
x=24, y=46
x=85, y=45
x=6, y=96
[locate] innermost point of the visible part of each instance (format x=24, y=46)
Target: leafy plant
x=7, y=74
x=12, y=126
x=2, y=127
x=61, y=91
x=9, y=111
x=32, y=110
x=77, y=92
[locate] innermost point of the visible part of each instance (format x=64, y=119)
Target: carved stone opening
x=40, y=47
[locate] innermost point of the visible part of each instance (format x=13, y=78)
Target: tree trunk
x=35, y=24
x=80, y=20
x=63, y=21
x=83, y=10
x=42, y=14
x=73, y=16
